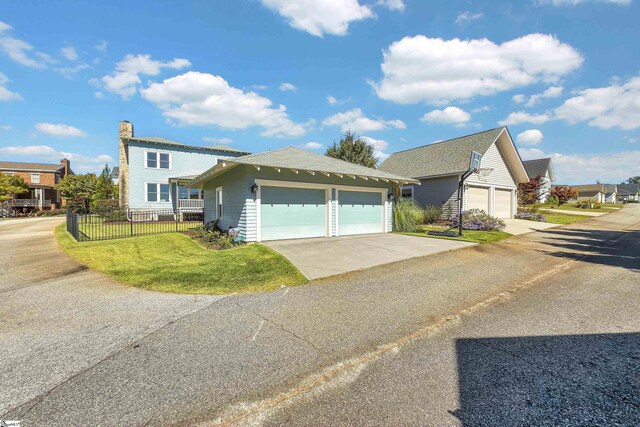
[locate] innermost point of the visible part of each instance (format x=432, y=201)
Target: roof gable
x=539, y=167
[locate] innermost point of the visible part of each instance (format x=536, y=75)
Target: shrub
x=407, y=215
x=530, y=216
x=477, y=219
x=51, y=212
x=553, y=201
x=212, y=236
x=588, y=204
x=433, y=213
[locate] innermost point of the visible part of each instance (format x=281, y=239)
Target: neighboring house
x=629, y=192
x=601, y=193
x=153, y=172
x=42, y=178
x=542, y=168
x=439, y=166
x=291, y=193
x=115, y=175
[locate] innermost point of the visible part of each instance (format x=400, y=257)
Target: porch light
x=254, y=188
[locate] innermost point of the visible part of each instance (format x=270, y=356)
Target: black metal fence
x=121, y=223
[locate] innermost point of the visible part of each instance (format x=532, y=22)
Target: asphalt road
x=539, y=329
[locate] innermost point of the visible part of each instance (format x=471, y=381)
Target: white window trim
x=33, y=181
x=200, y=193
x=219, y=203
x=157, y=184
x=9, y=173
x=146, y=155
x=409, y=187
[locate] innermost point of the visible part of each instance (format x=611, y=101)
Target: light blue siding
x=360, y=212
x=184, y=161
x=236, y=193
x=293, y=213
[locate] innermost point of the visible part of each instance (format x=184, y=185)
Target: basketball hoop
x=483, y=173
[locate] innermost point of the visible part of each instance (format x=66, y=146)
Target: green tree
x=80, y=189
x=105, y=189
x=529, y=192
x=633, y=180
x=10, y=186
x=563, y=194
x=353, y=150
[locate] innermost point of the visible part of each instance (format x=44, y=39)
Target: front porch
x=185, y=198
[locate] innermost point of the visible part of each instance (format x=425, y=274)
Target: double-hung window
x=35, y=178
x=219, y=205
x=158, y=160
x=157, y=192
x=407, y=192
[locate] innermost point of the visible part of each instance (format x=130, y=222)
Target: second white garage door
x=478, y=198
x=293, y=213
x=503, y=203
x=360, y=212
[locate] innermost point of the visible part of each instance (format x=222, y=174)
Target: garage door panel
x=503, y=203
x=292, y=213
x=360, y=212
x=478, y=198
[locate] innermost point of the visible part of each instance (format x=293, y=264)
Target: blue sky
x=564, y=75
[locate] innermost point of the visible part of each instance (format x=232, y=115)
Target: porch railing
x=190, y=203
x=30, y=203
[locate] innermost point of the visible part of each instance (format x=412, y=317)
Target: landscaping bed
x=176, y=263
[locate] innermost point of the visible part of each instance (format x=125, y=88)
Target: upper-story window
x=9, y=173
x=35, y=178
x=158, y=160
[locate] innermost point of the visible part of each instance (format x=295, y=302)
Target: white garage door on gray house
x=292, y=193
x=439, y=166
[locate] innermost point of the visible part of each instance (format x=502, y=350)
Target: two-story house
x=153, y=171
x=42, y=178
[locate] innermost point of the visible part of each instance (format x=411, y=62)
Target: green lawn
x=606, y=208
x=176, y=263
x=563, y=218
x=473, y=236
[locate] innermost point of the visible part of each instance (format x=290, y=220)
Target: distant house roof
x=602, y=188
x=539, y=167
x=115, y=172
x=301, y=160
x=30, y=167
x=450, y=157
x=627, y=189
x=610, y=188
x=164, y=141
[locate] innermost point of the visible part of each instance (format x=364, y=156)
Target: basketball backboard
x=474, y=162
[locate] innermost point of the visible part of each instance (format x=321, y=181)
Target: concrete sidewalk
x=521, y=226
x=575, y=212
x=324, y=257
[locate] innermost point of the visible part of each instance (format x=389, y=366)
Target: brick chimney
x=67, y=167
x=125, y=130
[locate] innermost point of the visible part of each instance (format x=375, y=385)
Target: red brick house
x=42, y=178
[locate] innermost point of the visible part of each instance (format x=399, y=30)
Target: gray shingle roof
x=164, y=141
x=21, y=166
x=299, y=159
x=629, y=188
x=537, y=167
x=440, y=158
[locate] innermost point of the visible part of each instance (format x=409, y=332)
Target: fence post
x=175, y=215
x=130, y=222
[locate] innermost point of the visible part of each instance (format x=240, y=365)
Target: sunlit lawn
x=474, y=236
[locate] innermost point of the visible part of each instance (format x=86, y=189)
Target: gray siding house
x=439, y=166
x=153, y=172
x=292, y=193
x=542, y=168
x=602, y=193
x=629, y=192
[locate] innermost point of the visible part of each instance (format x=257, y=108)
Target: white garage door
x=478, y=198
x=360, y=212
x=503, y=203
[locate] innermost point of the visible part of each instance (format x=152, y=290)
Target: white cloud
x=71, y=72
x=577, y=2
x=6, y=94
x=530, y=137
x=550, y=92
x=60, y=130
x=617, y=105
x=198, y=99
x=124, y=81
x=312, y=145
x=519, y=98
x=482, y=109
x=379, y=147
x=319, y=17
x=20, y=51
x=450, y=115
x=587, y=168
x=332, y=100
x=225, y=141
x=69, y=53
x=5, y=127
x=629, y=139
x=285, y=87
x=102, y=46
x=439, y=71
x=392, y=4
x=466, y=17
x=524, y=117
x=355, y=120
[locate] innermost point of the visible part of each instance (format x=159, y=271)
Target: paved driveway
x=324, y=257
